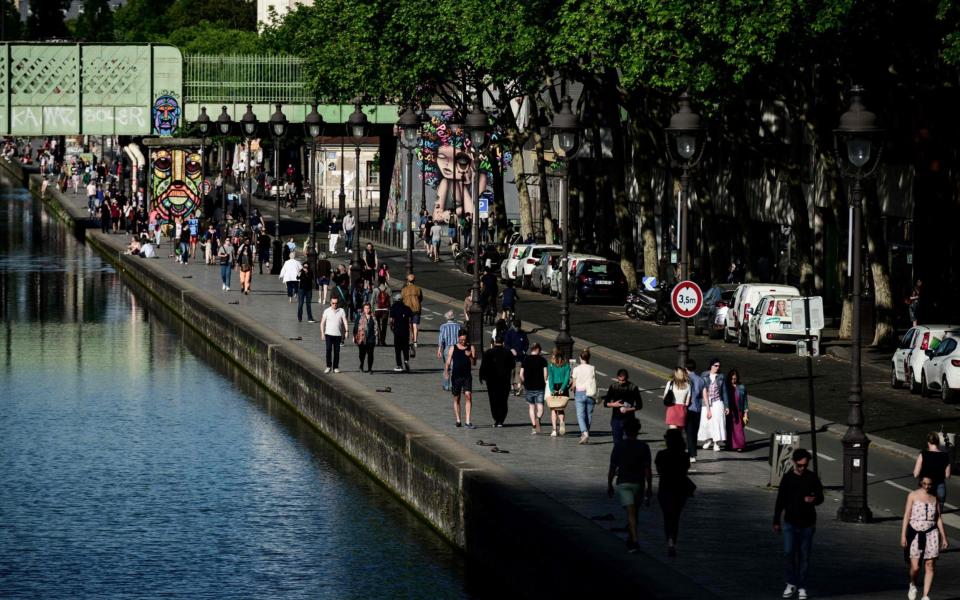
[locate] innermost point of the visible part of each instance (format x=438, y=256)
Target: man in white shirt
x=147, y=250
x=333, y=327
x=289, y=274
x=349, y=224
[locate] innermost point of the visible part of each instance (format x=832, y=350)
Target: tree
x=95, y=22
x=47, y=20
x=208, y=38
x=10, y=26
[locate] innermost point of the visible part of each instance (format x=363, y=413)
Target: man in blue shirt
x=449, y=332
x=693, y=411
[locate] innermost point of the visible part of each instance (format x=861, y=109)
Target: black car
x=715, y=298
x=599, y=280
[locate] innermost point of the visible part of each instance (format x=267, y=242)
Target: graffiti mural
x=176, y=182
x=445, y=158
x=166, y=114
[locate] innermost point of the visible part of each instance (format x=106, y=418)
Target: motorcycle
x=640, y=305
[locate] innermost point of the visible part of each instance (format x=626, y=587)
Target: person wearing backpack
x=245, y=262
x=382, y=313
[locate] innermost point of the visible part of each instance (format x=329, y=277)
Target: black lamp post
x=477, y=125
x=278, y=128
x=858, y=154
x=203, y=125
x=409, y=126
x=357, y=126
x=686, y=139
x=249, y=124
x=565, y=129
x=224, y=124
x=313, y=127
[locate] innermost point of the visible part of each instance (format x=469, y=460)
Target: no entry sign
x=687, y=299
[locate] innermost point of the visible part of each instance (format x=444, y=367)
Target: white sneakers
x=707, y=447
x=327, y=370
x=802, y=594
x=912, y=592
x=336, y=370
x=790, y=589
x=553, y=433
x=563, y=429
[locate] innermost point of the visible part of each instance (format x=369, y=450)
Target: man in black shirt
x=624, y=398
x=799, y=494
x=401, y=318
x=533, y=377
x=630, y=463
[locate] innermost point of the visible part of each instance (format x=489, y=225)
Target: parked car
x=508, y=268
x=906, y=364
x=771, y=324
x=942, y=371
x=599, y=280
x=540, y=276
x=574, y=260
x=529, y=259
x=716, y=298
x=746, y=297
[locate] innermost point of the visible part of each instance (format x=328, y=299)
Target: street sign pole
x=813, y=417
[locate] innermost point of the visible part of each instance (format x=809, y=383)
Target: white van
x=746, y=297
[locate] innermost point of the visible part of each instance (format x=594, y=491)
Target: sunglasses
x=800, y=465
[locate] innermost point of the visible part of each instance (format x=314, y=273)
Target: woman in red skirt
x=679, y=384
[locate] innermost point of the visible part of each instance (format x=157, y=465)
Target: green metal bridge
x=147, y=89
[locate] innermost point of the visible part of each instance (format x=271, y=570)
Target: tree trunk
x=643, y=164
x=546, y=214
x=621, y=206
x=884, y=331
x=523, y=194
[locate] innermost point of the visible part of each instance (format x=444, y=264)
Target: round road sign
x=687, y=299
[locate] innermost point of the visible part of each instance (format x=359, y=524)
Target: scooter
x=641, y=305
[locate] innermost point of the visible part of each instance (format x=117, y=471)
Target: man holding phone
x=799, y=494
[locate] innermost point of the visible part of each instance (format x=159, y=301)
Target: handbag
x=592, y=386
x=556, y=401
x=668, y=399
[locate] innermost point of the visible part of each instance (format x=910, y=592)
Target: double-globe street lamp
x=278, y=128
x=249, y=122
x=477, y=125
x=204, y=125
x=224, y=125
x=313, y=127
x=565, y=130
x=856, y=142
x=686, y=139
x=409, y=126
x=357, y=127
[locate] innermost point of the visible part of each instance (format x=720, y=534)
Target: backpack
x=383, y=300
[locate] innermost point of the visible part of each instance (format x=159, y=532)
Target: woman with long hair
x=558, y=384
x=739, y=410
x=585, y=393
x=922, y=536
x=935, y=464
x=679, y=384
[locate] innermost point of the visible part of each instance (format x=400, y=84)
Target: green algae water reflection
x=132, y=468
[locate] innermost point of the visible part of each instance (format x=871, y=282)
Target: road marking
x=602, y=374
x=825, y=457
x=754, y=430
x=950, y=506
x=902, y=487
x=952, y=521
x=869, y=474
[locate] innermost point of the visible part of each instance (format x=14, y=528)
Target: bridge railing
x=257, y=79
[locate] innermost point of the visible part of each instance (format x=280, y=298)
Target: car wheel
x=894, y=382
x=525, y=282
x=914, y=386
x=742, y=339
x=761, y=347
x=726, y=336
x=945, y=394
x=661, y=317
x=924, y=390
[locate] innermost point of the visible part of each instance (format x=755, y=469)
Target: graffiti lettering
x=21, y=116
x=59, y=118
x=132, y=115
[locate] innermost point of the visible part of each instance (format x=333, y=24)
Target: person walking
x=584, y=378
x=739, y=411
x=382, y=313
x=913, y=303
x=289, y=273
x=349, y=225
x=225, y=258
x=366, y=331
x=533, y=377
x=675, y=487
x=558, y=382
x=371, y=261
x=799, y=495
x=716, y=406
x=334, y=232
x=460, y=360
x=516, y=340
x=692, y=425
x=436, y=235
x=922, y=536
x=623, y=397
x=245, y=264
x=630, y=464
x=496, y=370
x=324, y=271
x=263, y=249
x=305, y=281
x=935, y=464
x=676, y=397
x=413, y=298
x=333, y=326
x=401, y=322
x=447, y=338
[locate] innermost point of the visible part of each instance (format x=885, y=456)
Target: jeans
x=225, y=272
x=184, y=252
x=349, y=239
x=366, y=353
x=796, y=550
x=333, y=346
x=584, y=410
x=692, y=426
x=292, y=287
x=304, y=296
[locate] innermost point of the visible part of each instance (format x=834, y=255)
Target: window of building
x=373, y=175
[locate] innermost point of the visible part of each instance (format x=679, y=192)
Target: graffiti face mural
x=166, y=115
x=176, y=182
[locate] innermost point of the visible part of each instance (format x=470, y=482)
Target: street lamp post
x=313, y=127
x=856, y=140
x=685, y=143
x=409, y=126
x=249, y=124
x=278, y=128
x=203, y=125
x=224, y=125
x=477, y=125
x=565, y=129
x=357, y=126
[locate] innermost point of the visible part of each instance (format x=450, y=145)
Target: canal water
x=137, y=463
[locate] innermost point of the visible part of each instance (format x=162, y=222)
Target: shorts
x=461, y=384
x=534, y=396
x=415, y=319
x=323, y=281
x=193, y=239
x=436, y=242
x=628, y=493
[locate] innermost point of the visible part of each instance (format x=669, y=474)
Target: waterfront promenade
x=726, y=544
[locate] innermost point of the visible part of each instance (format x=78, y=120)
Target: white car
x=540, y=277
x=906, y=364
x=746, y=297
x=529, y=259
x=942, y=371
x=508, y=268
x=771, y=324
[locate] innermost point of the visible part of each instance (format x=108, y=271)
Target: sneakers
x=413, y=351
x=716, y=447
x=398, y=369
x=563, y=429
x=912, y=592
x=228, y=288
x=459, y=424
x=470, y=426
x=406, y=367
x=707, y=447
x=327, y=370
x=693, y=459
x=802, y=594
x=498, y=424
x=533, y=431
x=583, y=438
x=336, y=370
x=632, y=547
x=789, y=591
x=553, y=433
x=310, y=321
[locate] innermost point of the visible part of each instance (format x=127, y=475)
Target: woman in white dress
x=715, y=408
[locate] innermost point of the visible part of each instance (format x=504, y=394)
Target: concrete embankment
x=518, y=539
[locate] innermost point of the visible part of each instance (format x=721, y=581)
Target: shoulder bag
x=668, y=399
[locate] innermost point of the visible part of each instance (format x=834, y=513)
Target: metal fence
x=253, y=79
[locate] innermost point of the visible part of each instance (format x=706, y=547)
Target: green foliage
x=949, y=12
x=12, y=27
x=46, y=20
x=208, y=38
x=194, y=26
x=95, y=23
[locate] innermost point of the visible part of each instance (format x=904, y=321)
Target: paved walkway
x=725, y=541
